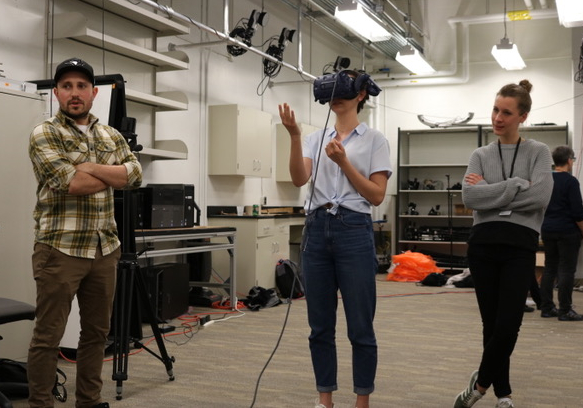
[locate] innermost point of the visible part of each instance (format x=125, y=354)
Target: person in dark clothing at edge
x=561, y=233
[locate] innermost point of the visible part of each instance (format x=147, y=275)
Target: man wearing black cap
x=77, y=162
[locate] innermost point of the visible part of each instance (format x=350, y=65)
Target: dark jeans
x=561, y=254
x=502, y=276
x=338, y=253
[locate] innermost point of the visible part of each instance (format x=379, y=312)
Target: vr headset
x=340, y=85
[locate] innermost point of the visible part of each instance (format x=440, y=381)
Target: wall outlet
x=264, y=201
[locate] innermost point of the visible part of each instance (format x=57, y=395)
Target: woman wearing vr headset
x=349, y=166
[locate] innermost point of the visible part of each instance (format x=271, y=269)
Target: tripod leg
x=167, y=360
x=121, y=324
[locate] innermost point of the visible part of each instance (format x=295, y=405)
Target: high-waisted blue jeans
x=338, y=253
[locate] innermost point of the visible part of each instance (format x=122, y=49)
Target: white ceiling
x=432, y=29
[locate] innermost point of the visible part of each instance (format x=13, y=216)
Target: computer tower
x=189, y=206
x=144, y=208
x=167, y=287
x=200, y=270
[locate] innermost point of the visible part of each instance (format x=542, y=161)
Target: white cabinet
x=20, y=112
x=283, y=144
x=240, y=141
x=260, y=243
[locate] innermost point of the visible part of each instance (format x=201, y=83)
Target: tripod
x=128, y=279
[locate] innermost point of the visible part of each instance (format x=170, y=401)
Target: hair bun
x=525, y=83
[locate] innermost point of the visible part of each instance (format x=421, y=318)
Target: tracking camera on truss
x=341, y=63
x=245, y=30
x=272, y=68
x=338, y=65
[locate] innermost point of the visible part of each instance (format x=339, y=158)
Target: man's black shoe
x=570, y=316
x=549, y=313
x=101, y=405
x=528, y=309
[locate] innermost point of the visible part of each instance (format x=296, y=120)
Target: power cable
x=579, y=73
x=313, y=183
x=276, y=344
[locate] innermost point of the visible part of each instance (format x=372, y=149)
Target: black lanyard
x=513, y=159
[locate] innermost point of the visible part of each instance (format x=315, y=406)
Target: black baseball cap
x=74, y=64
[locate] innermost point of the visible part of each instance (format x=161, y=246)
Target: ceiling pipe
x=300, y=38
x=460, y=74
x=404, y=15
x=331, y=16
x=224, y=36
x=496, y=18
x=226, y=16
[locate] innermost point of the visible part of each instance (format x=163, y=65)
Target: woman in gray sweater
x=508, y=184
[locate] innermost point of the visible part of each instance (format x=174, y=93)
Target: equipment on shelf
x=412, y=210
x=435, y=211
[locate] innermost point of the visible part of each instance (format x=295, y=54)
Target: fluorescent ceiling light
x=507, y=55
x=412, y=59
x=352, y=15
x=570, y=12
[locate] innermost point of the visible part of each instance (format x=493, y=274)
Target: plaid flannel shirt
x=76, y=225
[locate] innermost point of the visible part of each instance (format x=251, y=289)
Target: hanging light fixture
x=570, y=12
x=352, y=14
x=506, y=53
x=410, y=57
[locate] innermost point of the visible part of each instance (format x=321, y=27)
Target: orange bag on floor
x=411, y=267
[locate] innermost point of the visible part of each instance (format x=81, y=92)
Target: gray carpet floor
x=429, y=342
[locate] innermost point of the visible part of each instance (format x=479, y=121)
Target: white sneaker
x=504, y=403
x=318, y=405
x=470, y=395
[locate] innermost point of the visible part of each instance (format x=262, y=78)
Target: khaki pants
x=59, y=278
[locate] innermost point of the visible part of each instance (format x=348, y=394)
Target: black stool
x=13, y=311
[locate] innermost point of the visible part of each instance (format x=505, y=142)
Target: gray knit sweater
x=526, y=194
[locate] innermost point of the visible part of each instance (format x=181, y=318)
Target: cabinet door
x=265, y=273
x=240, y=141
x=255, y=143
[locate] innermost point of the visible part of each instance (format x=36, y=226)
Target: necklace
x=513, y=159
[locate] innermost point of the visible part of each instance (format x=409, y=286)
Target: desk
x=180, y=235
